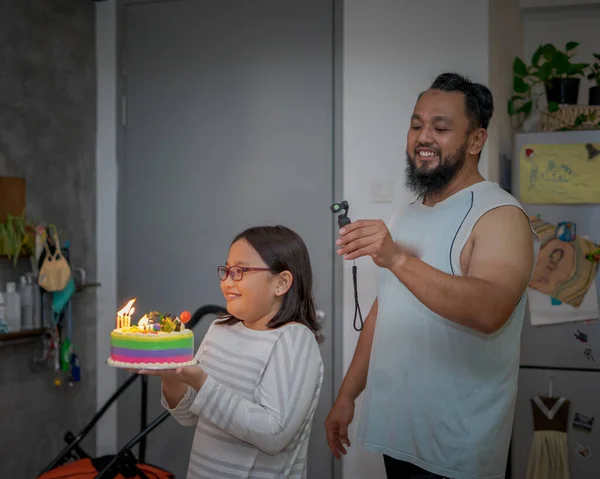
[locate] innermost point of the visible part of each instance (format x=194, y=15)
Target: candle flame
x=127, y=310
x=124, y=316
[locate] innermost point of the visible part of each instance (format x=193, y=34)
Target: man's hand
x=370, y=238
x=193, y=376
x=336, y=425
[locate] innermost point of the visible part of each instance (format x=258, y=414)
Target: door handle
x=320, y=314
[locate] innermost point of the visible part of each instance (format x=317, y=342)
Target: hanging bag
x=55, y=271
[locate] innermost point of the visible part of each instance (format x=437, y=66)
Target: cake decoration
x=154, y=322
x=185, y=316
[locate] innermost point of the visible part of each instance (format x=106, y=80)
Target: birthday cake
x=157, y=341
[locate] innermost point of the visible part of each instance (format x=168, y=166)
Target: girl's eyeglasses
x=236, y=272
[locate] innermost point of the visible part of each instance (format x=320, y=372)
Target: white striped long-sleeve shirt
x=253, y=415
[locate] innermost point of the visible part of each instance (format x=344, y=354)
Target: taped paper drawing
x=562, y=270
x=566, y=174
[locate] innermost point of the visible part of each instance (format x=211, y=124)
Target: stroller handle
x=145, y=429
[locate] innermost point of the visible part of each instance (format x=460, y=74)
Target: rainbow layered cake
x=157, y=341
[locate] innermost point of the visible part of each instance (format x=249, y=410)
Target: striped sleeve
x=181, y=412
x=283, y=398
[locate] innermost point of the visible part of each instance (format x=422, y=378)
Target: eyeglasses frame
x=243, y=269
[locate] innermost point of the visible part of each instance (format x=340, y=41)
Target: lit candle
x=124, y=315
x=128, y=317
x=143, y=322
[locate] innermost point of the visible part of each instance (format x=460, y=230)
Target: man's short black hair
x=479, y=103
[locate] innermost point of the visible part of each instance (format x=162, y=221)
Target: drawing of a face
x=554, y=259
x=555, y=265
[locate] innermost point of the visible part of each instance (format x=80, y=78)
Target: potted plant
x=561, y=77
x=554, y=70
x=594, y=75
x=17, y=238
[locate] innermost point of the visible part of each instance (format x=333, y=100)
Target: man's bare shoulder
x=503, y=245
x=503, y=220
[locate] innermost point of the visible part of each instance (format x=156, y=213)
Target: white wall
x=393, y=51
x=106, y=210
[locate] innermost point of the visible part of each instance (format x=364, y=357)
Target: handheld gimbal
x=342, y=221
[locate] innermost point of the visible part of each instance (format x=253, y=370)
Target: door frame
x=337, y=156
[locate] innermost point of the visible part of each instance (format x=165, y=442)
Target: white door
x=228, y=113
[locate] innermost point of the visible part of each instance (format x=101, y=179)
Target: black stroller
x=74, y=462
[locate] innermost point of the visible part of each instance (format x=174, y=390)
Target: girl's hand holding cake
x=193, y=376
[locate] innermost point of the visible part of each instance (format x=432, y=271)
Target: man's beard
x=423, y=183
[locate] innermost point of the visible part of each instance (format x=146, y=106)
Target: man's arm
x=355, y=379
x=497, y=275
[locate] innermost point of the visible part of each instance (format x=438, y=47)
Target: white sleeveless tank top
x=440, y=395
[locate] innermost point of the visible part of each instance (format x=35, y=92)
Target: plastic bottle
x=26, y=291
x=3, y=324
x=12, y=300
x=35, y=300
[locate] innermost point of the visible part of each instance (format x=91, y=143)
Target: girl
x=253, y=395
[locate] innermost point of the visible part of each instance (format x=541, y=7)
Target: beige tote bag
x=55, y=271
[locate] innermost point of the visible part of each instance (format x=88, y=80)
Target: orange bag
x=89, y=469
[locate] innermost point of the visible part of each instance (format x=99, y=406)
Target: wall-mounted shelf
x=83, y=287
x=4, y=255
x=30, y=333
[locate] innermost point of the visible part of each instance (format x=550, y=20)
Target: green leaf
x=526, y=108
x=512, y=104
x=535, y=59
x=580, y=119
x=520, y=86
x=596, y=56
x=519, y=67
x=577, y=69
x=560, y=63
x=543, y=74
x=511, y=108
x=571, y=46
x=548, y=51
x=553, y=107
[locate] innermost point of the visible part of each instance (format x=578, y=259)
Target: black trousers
x=395, y=469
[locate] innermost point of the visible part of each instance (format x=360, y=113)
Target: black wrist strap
x=357, y=312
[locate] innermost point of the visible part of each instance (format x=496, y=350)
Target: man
x=439, y=351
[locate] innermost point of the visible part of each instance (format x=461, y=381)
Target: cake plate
x=119, y=364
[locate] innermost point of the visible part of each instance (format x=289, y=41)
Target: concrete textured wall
x=47, y=136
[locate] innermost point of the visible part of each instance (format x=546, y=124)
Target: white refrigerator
x=554, y=357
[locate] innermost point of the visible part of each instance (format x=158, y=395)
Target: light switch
x=382, y=191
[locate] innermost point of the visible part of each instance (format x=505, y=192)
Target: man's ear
x=477, y=142
x=283, y=283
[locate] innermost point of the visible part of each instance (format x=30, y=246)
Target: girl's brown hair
x=284, y=250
